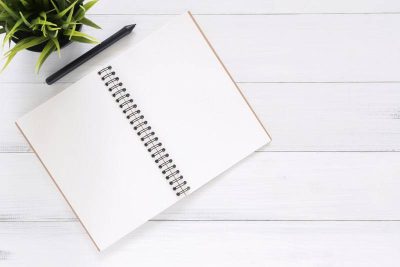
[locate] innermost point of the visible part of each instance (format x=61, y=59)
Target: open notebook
x=143, y=131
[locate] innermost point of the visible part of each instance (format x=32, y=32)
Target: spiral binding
x=144, y=131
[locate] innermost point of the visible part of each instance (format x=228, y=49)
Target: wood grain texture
x=266, y=186
x=297, y=244
x=283, y=48
x=245, y=7
x=300, y=117
x=322, y=76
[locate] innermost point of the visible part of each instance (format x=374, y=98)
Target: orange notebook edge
x=227, y=72
x=59, y=189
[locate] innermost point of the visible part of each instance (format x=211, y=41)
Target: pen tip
x=130, y=27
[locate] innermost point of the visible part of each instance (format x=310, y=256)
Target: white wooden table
x=324, y=77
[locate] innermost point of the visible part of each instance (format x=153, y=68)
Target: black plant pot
x=62, y=39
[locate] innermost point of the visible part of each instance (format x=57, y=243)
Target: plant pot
x=62, y=39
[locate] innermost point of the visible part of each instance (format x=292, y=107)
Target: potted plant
x=43, y=26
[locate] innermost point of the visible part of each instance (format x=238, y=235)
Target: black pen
x=89, y=54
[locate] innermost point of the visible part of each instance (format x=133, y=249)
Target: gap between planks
x=248, y=14
x=61, y=220
x=257, y=151
x=255, y=82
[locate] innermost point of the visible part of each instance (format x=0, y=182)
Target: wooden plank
x=300, y=117
x=328, y=117
x=283, y=48
x=246, y=7
x=207, y=244
x=266, y=186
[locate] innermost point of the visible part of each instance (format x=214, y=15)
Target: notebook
x=143, y=131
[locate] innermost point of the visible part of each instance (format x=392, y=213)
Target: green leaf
x=83, y=40
x=83, y=9
x=72, y=31
x=57, y=44
x=90, y=23
x=26, y=43
x=9, y=10
x=69, y=18
x=89, y=4
x=4, y=16
x=81, y=35
x=24, y=3
x=46, y=20
x=62, y=13
x=13, y=30
x=55, y=6
x=39, y=21
x=9, y=58
x=23, y=44
x=49, y=47
x=43, y=28
x=43, y=15
x=80, y=13
x=54, y=28
x=27, y=23
x=63, y=4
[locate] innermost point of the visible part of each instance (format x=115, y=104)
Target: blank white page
x=190, y=101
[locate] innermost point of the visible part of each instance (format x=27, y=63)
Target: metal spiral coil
x=144, y=131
